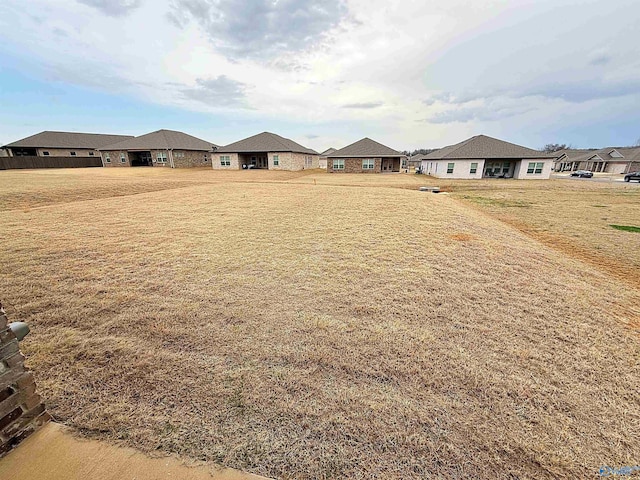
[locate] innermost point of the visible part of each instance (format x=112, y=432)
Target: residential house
x=162, y=148
x=486, y=157
x=609, y=160
x=365, y=156
x=322, y=163
x=265, y=151
x=62, y=144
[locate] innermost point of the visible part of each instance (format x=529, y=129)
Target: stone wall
x=21, y=409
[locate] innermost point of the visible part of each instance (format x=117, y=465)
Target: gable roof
x=483, y=147
x=51, y=139
x=265, y=142
x=328, y=151
x=162, y=140
x=366, y=148
x=629, y=154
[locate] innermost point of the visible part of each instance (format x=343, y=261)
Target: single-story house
x=322, y=163
x=365, y=156
x=163, y=148
x=265, y=151
x=486, y=157
x=609, y=160
x=62, y=144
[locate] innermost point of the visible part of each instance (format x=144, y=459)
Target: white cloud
x=411, y=73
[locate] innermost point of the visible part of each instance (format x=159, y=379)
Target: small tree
x=554, y=147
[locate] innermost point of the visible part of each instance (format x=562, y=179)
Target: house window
x=106, y=158
x=73, y=154
x=535, y=168
x=91, y=154
x=46, y=154
x=368, y=163
x=450, y=167
x=225, y=160
x=505, y=167
x=308, y=162
x=123, y=159
x=474, y=168
x=206, y=158
x=276, y=160
x=161, y=157
x=338, y=164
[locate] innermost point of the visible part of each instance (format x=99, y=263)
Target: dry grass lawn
x=330, y=326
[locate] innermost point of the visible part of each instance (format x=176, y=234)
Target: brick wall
x=191, y=158
x=21, y=409
x=354, y=165
x=114, y=156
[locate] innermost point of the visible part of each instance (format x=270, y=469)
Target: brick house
x=486, y=157
x=609, y=160
x=62, y=144
x=163, y=148
x=265, y=151
x=364, y=156
x=322, y=163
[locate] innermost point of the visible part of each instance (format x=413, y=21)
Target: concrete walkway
x=53, y=453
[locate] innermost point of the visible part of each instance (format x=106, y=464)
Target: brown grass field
x=308, y=325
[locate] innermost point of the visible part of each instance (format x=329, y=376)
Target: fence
x=7, y=163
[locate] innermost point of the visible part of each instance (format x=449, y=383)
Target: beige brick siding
x=114, y=156
x=292, y=161
x=233, y=157
x=66, y=152
x=286, y=161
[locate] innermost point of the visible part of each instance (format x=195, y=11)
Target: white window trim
x=123, y=159
x=338, y=164
x=452, y=168
x=370, y=165
x=107, y=159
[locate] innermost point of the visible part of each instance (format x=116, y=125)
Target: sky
x=325, y=73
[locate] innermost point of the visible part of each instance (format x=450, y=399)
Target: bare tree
x=554, y=147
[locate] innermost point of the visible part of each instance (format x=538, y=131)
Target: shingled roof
x=484, y=147
x=265, y=142
x=365, y=148
x=629, y=154
x=162, y=140
x=50, y=139
x=328, y=151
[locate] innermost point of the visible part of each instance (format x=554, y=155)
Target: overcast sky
x=325, y=72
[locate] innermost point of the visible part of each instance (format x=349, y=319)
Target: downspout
x=171, y=162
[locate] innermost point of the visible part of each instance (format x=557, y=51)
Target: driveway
x=597, y=177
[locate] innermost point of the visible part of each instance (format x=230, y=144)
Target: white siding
x=461, y=168
x=523, y=165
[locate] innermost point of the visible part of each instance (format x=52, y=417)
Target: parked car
x=632, y=176
x=582, y=174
